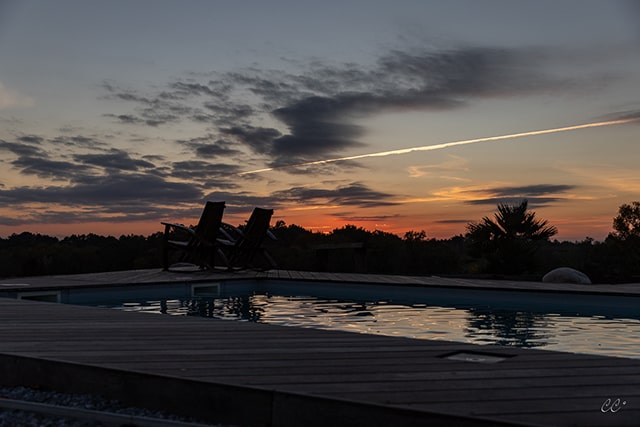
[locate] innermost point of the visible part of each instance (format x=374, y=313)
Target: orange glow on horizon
x=569, y=229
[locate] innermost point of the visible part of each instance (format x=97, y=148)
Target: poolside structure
x=198, y=245
x=243, y=373
x=247, y=244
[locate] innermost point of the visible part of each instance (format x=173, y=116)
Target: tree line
x=512, y=244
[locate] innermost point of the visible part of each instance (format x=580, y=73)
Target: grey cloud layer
x=354, y=194
x=537, y=195
x=272, y=116
x=114, y=185
x=318, y=107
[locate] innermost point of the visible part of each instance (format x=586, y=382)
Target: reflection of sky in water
x=477, y=325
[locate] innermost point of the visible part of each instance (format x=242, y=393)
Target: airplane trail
x=447, y=145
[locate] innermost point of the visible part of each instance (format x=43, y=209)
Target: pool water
x=578, y=331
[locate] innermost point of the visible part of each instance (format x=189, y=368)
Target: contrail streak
x=448, y=144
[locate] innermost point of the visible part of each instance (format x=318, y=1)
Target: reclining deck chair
x=198, y=245
x=248, y=242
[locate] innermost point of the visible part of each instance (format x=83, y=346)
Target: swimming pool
x=606, y=325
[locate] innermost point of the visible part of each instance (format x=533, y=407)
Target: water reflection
x=477, y=325
x=511, y=328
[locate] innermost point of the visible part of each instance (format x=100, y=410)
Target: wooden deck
x=263, y=375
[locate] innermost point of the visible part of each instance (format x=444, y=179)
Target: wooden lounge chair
x=195, y=245
x=247, y=243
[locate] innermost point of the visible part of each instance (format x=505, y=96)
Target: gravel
x=18, y=418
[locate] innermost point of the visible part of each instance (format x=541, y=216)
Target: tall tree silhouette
x=624, y=243
x=626, y=224
x=508, y=241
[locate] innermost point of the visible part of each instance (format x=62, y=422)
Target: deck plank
x=530, y=387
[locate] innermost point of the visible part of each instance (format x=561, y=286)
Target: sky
x=388, y=115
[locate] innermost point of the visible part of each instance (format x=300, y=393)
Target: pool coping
x=159, y=277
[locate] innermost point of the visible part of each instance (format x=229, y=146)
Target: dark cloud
x=47, y=168
x=537, y=195
x=225, y=114
x=201, y=171
x=31, y=139
x=35, y=161
x=624, y=115
x=318, y=126
x=110, y=184
x=20, y=149
x=210, y=147
x=127, y=119
x=258, y=138
x=114, y=159
x=40, y=160
x=320, y=169
x=80, y=141
x=319, y=107
x=110, y=190
x=323, y=124
x=188, y=89
x=354, y=194
x=152, y=110
x=116, y=92
x=453, y=221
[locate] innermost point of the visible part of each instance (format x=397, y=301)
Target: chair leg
x=165, y=248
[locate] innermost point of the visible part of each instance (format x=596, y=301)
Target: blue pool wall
x=614, y=306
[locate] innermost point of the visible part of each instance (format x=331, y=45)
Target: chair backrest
x=257, y=226
x=210, y=221
x=253, y=234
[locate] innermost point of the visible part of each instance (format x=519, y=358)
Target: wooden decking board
x=415, y=392
x=367, y=371
x=332, y=374
x=535, y=387
x=581, y=419
x=281, y=379
x=529, y=406
x=528, y=394
x=520, y=407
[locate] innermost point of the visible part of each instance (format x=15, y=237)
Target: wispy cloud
x=453, y=164
x=318, y=108
x=354, y=194
x=536, y=194
x=114, y=159
x=141, y=190
x=274, y=118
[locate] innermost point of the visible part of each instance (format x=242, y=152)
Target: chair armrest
x=226, y=242
x=228, y=227
x=168, y=226
x=226, y=236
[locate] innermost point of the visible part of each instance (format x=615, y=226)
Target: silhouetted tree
x=505, y=244
x=626, y=224
x=509, y=240
x=293, y=249
x=624, y=243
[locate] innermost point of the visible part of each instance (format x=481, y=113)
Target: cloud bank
x=257, y=116
x=318, y=108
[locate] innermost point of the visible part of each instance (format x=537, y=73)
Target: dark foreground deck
x=244, y=373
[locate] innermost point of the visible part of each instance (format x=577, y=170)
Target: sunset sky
x=116, y=115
